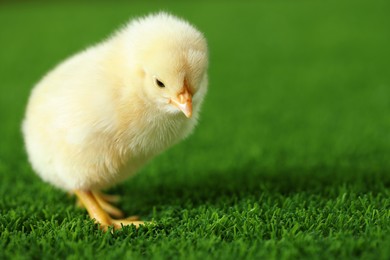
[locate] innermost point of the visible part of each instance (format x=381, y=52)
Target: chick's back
x=68, y=114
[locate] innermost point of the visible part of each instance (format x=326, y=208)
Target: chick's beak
x=183, y=101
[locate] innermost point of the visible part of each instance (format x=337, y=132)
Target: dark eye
x=160, y=84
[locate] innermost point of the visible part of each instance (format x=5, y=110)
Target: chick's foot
x=99, y=209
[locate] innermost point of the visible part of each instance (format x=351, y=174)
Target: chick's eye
x=160, y=84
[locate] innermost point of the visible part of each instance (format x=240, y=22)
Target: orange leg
x=105, y=204
x=99, y=209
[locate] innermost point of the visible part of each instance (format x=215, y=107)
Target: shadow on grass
x=216, y=187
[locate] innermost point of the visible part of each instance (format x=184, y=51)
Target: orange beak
x=183, y=102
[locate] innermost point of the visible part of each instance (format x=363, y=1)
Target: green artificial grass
x=290, y=159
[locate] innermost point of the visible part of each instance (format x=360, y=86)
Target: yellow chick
x=100, y=115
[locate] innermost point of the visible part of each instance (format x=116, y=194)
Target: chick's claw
x=118, y=223
x=97, y=209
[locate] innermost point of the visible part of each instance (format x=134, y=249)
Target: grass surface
x=290, y=159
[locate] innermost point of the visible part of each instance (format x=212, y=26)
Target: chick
x=100, y=115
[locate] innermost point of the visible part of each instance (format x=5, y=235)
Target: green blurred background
x=303, y=78
x=298, y=101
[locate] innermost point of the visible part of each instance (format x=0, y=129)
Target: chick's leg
x=97, y=212
x=108, y=197
x=104, y=202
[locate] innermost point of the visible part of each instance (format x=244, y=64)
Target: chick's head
x=172, y=59
x=171, y=80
